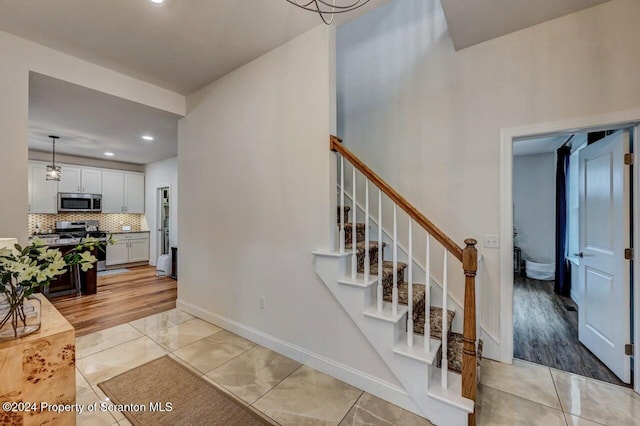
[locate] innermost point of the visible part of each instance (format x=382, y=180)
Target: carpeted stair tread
x=403, y=298
x=361, y=252
x=348, y=231
x=360, y=246
x=387, y=274
x=387, y=268
x=454, y=354
x=436, y=322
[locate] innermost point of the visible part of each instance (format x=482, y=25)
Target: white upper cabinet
x=112, y=191
x=92, y=181
x=42, y=193
x=80, y=179
x=134, y=192
x=122, y=192
x=70, y=178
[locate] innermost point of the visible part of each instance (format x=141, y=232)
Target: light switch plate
x=491, y=241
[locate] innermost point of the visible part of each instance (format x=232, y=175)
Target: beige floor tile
x=81, y=383
x=184, y=333
x=253, y=373
x=104, y=339
x=524, y=379
x=153, y=323
x=308, y=397
x=213, y=351
x=161, y=321
x=124, y=422
x=99, y=367
x=373, y=411
x=597, y=401
x=177, y=316
x=579, y=421
x=497, y=408
x=96, y=418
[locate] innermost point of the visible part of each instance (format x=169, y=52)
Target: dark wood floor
x=546, y=332
x=120, y=298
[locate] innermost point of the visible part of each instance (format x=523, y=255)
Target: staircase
x=391, y=310
x=435, y=314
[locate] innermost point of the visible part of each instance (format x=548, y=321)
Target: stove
x=83, y=229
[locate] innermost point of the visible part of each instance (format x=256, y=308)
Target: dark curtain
x=563, y=271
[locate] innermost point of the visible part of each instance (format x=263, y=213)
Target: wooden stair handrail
x=335, y=144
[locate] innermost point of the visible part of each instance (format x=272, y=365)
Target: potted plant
x=25, y=269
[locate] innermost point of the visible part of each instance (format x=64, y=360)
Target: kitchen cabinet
x=122, y=192
x=43, y=194
x=80, y=179
x=129, y=248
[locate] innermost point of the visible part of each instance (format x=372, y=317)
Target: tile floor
x=294, y=394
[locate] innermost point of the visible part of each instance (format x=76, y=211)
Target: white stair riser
x=412, y=374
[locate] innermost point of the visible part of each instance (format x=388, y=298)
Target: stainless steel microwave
x=71, y=202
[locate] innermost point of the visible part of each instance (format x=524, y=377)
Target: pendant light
x=54, y=172
x=328, y=8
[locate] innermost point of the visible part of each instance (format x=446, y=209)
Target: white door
x=604, y=314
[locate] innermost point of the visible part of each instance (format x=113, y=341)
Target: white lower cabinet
x=129, y=248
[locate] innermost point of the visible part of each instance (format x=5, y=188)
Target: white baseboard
x=371, y=384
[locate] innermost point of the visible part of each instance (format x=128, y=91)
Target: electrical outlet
x=262, y=301
x=491, y=241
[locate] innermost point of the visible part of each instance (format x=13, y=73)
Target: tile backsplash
x=108, y=222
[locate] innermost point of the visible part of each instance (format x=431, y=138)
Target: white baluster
x=445, y=322
x=354, y=216
x=341, y=212
x=427, y=296
x=410, y=289
x=479, y=277
x=394, y=294
x=379, y=250
x=367, y=259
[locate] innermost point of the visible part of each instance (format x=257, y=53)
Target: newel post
x=469, y=362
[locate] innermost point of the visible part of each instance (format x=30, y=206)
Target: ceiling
x=91, y=123
x=184, y=45
x=179, y=45
x=472, y=22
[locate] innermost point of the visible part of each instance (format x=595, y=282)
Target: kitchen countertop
x=58, y=242
x=125, y=232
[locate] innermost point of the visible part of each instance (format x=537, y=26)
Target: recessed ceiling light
x=157, y=1
x=147, y=138
x=109, y=154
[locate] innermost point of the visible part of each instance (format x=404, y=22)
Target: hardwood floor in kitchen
x=121, y=298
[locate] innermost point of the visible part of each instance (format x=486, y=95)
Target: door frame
x=621, y=119
x=158, y=215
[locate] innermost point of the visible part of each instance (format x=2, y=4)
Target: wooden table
x=40, y=368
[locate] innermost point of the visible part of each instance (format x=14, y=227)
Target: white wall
x=159, y=175
x=20, y=56
x=428, y=118
x=534, y=205
x=256, y=181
